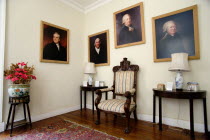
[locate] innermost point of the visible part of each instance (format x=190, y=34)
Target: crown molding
x=95, y=5
x=85, y=9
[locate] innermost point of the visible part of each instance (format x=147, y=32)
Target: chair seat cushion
x=114, y=105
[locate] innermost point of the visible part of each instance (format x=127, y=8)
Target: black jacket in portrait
x=169, y=45
x=51, y=52
x=127, y=36
x=98, y=58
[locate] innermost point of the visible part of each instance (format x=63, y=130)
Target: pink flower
x=25, y=71
x=22, y=64
x=8, y=77
x=24, y=76
x=14, y=79
x=18, y=69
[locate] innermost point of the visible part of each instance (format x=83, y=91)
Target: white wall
x=153, y=73
x=57, y=86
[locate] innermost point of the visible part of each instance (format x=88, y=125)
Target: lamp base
x=90, y=80
x=179, y=80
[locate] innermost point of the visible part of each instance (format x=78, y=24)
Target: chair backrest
x=125, y=77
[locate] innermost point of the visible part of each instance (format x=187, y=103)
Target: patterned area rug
x=64, y=130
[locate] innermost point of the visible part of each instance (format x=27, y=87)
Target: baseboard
x=54, y=113
x=1, y=126
x=198, y=127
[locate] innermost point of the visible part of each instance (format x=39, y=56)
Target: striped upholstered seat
x=114, y=105
x=124, y=81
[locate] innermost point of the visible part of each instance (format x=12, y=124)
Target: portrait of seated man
x=98, y=52
x=54, y=50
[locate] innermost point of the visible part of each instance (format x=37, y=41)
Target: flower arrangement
x=20, y=73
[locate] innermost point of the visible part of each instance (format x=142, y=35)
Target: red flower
x=22, y=64
x=33, y=77
x=18, y=69
x=25, y=71
x=14, y=79
x=8, y=77
x=24, y=76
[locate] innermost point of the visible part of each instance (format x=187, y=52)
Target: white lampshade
x=90, y=68
x=179, y=62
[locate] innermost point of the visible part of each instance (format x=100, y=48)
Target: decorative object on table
x=85, y=83
x=179, y=64
x=97, y=83
x=54, y=47
x=176, y=32
x=63, y=129
x=125, y=82
x=20, y=75
x=129, y=26
x=101, y=83
x=98, y=51
x=90, y=70
x=169, y=86
x=161, y=87
x=192, y=86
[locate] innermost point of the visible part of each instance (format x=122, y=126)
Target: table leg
x=191, y=118
x=106, y=96
x=29, y=115
x=205, y=115
x=80, y=99
x=154, y=108
x=13, y=117
x=85, y=100
x=160, y=114
x=24, y=109
x=8, y=119
x=93, y=101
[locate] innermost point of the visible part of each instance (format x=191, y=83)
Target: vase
x=179, y=80
x=18, y=90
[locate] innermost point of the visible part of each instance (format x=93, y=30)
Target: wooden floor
x=141, y=130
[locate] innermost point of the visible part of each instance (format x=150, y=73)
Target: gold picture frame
x=101, y=58
x=134, y=32
x=54, y=50
x=185, y=35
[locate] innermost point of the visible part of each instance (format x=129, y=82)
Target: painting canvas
x=99, y=48
x=54, y=46
x=176, y=32
x=129, y=26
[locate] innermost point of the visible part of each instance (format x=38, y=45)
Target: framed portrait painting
x=176, y=32
x=98, y=51
x=129, y=26
x=54, y=47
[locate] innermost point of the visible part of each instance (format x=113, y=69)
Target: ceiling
x=85, y=5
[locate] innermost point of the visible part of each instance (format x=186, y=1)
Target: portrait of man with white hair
x=129, y=26
x=176, y=32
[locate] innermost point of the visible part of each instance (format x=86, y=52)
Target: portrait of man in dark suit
x=54, y=50
x=99, y=48
x=54, y=43
x=129, y=26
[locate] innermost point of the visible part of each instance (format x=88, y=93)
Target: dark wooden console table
x=92, y=89
x=185, y=94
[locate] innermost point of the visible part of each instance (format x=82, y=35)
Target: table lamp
x=90, y=69
x=179, y=64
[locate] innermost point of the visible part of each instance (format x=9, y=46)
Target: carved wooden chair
x=124, y=85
